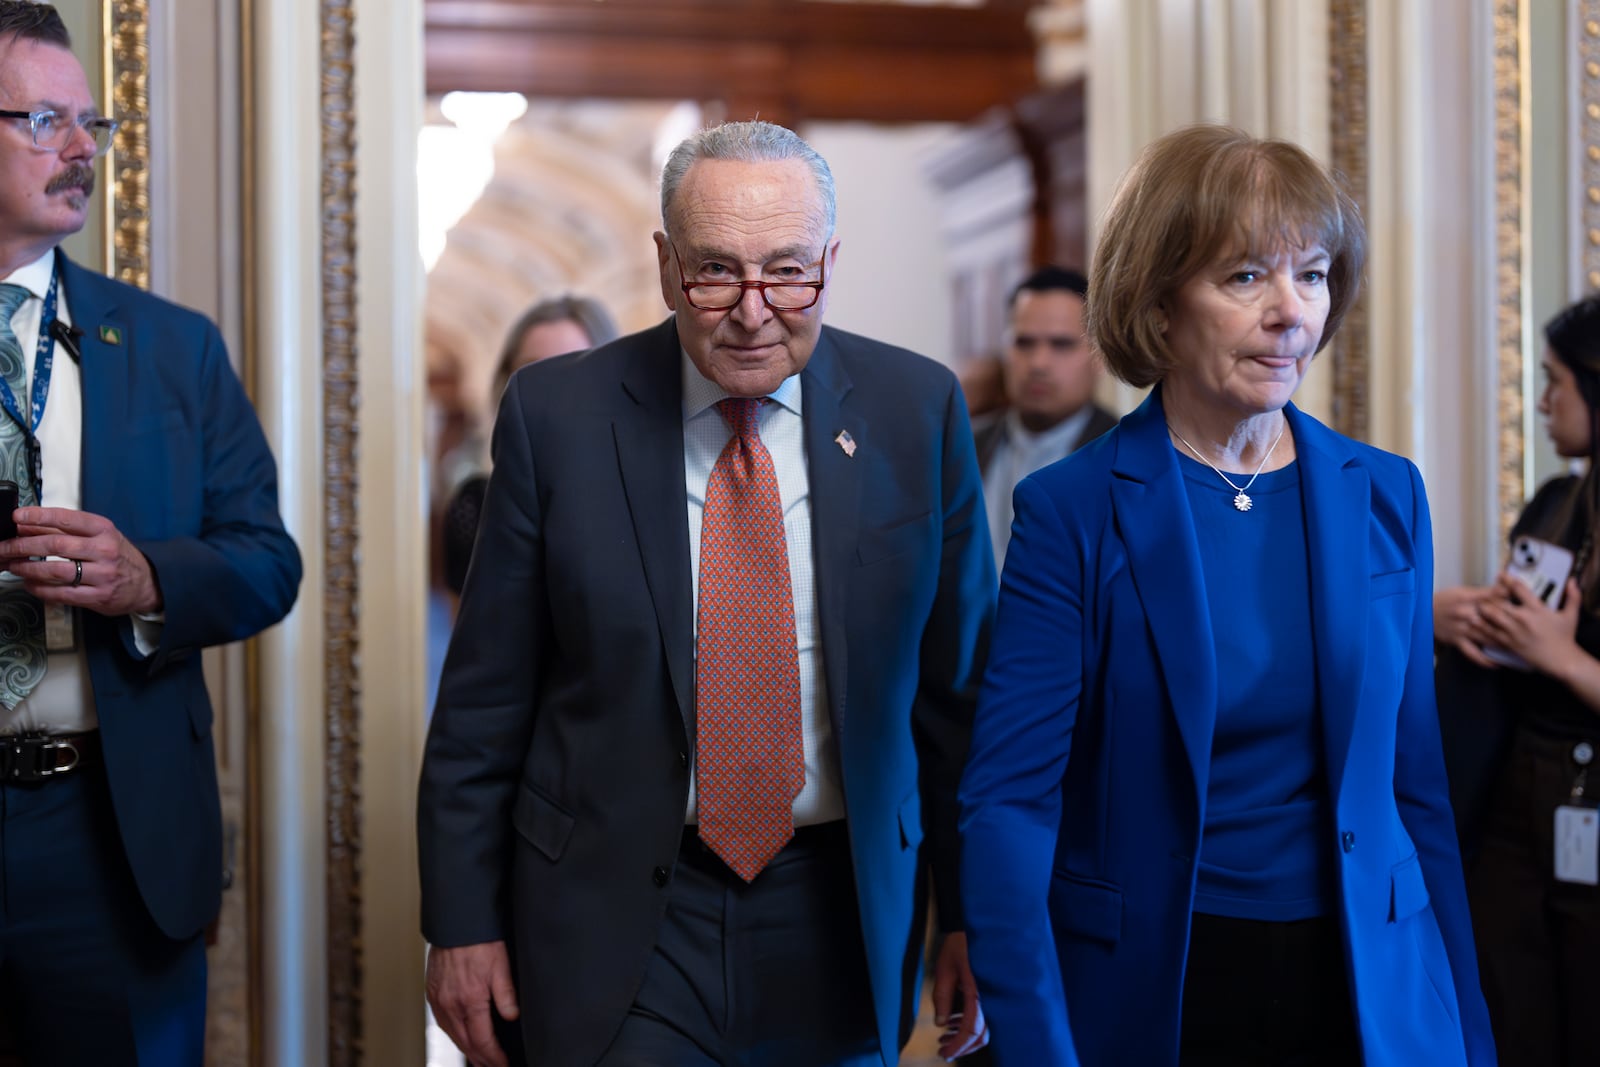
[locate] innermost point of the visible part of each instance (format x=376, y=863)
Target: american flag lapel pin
x=846, y=442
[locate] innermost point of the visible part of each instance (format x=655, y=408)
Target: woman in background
x=1537, y=926
x=549, y=328
x=1204, y=818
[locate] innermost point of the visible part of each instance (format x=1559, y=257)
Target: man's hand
x=461, y=984
x=964, y=1028
x=97, y=568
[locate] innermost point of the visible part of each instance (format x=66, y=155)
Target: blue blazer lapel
x=835, y=479
x=649, y=439
x=1338, y=507
x=1157, y=530
x=104, y=346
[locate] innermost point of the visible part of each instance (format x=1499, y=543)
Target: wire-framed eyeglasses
x=52, y=130
x=779, y=296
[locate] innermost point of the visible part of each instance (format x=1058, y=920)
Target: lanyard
x=44, y=359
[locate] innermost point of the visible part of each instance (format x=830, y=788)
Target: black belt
x=37, y=757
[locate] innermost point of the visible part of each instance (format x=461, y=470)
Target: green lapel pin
x=111, y=335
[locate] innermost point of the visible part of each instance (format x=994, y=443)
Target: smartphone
x=1541, y=567
x=9, y=502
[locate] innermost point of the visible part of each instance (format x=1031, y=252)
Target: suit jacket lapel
x=103, y=371
x=1338, y=507
x=835, y=481
x=1157, y=530
x=649, y=438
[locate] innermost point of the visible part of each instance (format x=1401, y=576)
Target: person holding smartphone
x=1528, y=763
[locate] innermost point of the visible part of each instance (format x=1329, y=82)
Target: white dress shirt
x=63, y=702
x=1017, y=454
x=705, y=433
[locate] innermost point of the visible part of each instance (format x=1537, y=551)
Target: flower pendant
x=1243, y=501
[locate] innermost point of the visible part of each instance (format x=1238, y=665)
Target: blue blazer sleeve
x=1011, y=791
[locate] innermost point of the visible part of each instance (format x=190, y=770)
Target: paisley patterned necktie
x=22, y=645
x=750, y=760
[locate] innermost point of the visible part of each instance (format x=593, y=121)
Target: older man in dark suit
x=713, y=678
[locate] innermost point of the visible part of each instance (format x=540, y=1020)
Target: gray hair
x=746, y=142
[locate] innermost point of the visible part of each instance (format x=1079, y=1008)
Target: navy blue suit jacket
x=173, y=455
x=557, y=769
x=1083, y=802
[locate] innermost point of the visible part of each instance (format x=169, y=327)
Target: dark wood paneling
x=793, y=59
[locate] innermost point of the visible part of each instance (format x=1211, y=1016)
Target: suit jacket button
x=1347, y=840
x=683, y=759
x=660, y=876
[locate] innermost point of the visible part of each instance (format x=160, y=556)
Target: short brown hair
x=1195, y=196
x=27, y=21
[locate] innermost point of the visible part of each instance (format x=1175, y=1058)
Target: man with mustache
x=1049, y=376
x=144, y=502
x=710, y=688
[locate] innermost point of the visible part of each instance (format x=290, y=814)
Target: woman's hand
x=1458, y=621
x=1520, y=622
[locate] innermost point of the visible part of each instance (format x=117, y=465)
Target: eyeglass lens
x=50, y=130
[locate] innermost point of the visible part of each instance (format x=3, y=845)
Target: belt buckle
x=56, y=744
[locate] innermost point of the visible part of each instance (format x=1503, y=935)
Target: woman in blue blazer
x=1204, y=819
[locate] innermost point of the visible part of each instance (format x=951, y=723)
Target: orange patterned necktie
x=750, y=762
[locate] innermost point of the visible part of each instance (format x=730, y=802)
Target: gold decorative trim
x=1509, y=198
x=1347, y=21
x=1589, y=93
x=130, y=101
x=342, y=677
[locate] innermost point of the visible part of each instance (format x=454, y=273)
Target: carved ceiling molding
x=786, y=60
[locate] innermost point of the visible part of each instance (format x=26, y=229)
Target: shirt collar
x=1063, y=432
x=700, y=392
x=35, y=277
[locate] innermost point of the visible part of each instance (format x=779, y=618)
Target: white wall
x=892, y=281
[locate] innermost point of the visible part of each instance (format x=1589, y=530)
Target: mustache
x=77, y=176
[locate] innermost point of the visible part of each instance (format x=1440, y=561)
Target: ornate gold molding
x=1347, y=21
x=341, y=587
x=1589, y=93
x=1509, y=198
x=130, y=100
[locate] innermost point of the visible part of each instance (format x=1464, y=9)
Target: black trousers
x=1538, y=939
x=769, y=974
x=1266, y=994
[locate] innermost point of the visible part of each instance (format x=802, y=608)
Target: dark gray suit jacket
x=557, y=767
x=986, y=433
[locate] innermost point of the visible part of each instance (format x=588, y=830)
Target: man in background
x=712, y=682
x=148, y=529
x=1049, y=376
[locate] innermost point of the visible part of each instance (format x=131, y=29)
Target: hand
x=1458, y=621
x=1520, y=622
x=965, y=1031
x=116, y=579
x=461, y=984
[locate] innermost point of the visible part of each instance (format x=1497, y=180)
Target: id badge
x=60, y=628
x=1578, y=845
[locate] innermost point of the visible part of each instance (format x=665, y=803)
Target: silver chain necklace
x=1242, y=502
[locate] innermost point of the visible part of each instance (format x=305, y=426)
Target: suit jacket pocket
x=881, y=542
x=1088, y=909
x=543, y=822
x=1408, y=891
x=1382, y=585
